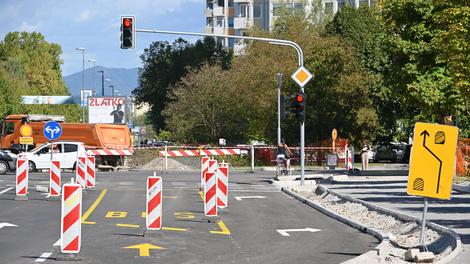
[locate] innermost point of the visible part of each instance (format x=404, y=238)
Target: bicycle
x=281, y=169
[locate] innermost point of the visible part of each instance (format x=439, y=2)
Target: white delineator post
x=204, y=168
x=81, y=172
x=222, y=185
x=90, y=171
x=22, y=182
x=54, y=179
x=153, y=219
x=210, y=194
x=70, y=224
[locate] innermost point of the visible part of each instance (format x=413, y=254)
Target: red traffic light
x=127, y=22
x=299, y=98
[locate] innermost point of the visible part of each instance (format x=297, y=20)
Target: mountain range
x=123, y=80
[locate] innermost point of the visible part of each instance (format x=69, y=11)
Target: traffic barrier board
x=210, y=194
x=153, y=219
x=432, y=160
x=222, y=185
x=22, y=168
x=54, y=179
x=81, y=171
x=204, y=168
x=70, y=224
x=90, y=171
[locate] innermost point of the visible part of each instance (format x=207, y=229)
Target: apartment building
x=234, y=17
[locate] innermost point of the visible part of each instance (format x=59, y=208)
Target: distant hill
x=124, y=80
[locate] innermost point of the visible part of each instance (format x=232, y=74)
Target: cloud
x=84, y=15
x=25, y=26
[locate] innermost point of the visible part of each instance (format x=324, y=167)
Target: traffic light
x=298, y=106
x=127, y=32
x=286, y=104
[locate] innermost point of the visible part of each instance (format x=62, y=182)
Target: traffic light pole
x=279, y=83
x=280, y=42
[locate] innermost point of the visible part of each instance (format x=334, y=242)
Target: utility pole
x=102, y=82
x=279, y=84
x=82, y=93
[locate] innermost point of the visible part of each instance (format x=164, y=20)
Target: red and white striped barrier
x=90, y=171
x=349, y=159
x=111, y=152
x=204, y=168
x=153, y=219
x=222, y=185
x=212, y=166
x=71, y=224
x=54, y=179
x=201, y=152
x=22, y=168
x=210, y=194
x=81, y=171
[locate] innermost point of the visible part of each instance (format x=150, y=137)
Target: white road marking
x=126, y=183
x=44, y=256
x=255, y=191
x=178, y=183
x=283, y=232
x=6, y=190
x=239, y=198
x=57, y=243
x=2, y=225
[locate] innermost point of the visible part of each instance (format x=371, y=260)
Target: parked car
x=393, y=152
x=65, y=152
x=7, y=161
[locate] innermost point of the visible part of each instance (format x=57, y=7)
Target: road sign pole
x=422, y=236
x=302, y=150
x=279, y=83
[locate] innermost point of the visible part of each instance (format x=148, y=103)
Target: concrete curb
x=461, y=188
x=455, y=242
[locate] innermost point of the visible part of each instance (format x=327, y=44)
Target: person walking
x=365, y=156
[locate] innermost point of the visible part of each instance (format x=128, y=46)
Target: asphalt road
x=244, y=232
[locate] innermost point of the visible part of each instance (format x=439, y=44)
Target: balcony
x=219, y=30
x=219, y=11
x=240, y=22
x=208, y=30
x=208, y=12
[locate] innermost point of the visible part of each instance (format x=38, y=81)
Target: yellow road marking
x=202, y=195
x=143, y=214
x=184, y=215
x=223, y=229
x=128, y=225
x=93, y=207
x=169, y=197
x=116, y=214
x=144, y=249
x=174, y=229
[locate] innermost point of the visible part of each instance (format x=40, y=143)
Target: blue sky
x=95, y=25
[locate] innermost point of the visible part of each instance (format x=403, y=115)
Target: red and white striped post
x=349, y=159
x=222, y=185
x=204, y=168
x=210, y=194
x=71, y=224
x=153, y=219
x=54, y=179
x=22, y=168
x=81, y=172
x=90, y=171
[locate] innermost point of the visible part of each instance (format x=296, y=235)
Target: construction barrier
x=153, y=218
x=199, y=152
x=54, y=178
x=210, y=194
x=204, y=168
x=90, y=171
x=22, y=168
x=81, y=171
x=222, y=185
x=70, y=224
x=349, y=160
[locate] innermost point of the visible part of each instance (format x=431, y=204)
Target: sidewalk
x=454, y=214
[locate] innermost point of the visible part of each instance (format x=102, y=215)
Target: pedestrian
x=365, y=156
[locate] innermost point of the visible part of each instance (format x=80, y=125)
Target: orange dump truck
x=108, y=142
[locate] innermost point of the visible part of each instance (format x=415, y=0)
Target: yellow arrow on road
x=144, y=249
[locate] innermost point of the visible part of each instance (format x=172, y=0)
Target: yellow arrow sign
x=432, y=160
x=144, y=249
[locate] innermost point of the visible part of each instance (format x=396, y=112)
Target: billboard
x=46, y=99
x=107, y=110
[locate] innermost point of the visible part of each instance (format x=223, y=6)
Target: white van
x=66, y=152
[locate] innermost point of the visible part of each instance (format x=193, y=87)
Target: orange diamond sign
x=302, y=76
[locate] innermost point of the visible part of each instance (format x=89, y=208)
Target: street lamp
x=102, y=82
x=112, y=89
x=83, y=83
x=94, y=75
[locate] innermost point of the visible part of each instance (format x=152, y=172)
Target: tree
x=164, y=65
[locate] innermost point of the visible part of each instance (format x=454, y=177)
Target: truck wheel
x=4, y=167
x=32, y=166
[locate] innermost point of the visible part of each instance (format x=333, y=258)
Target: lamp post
x=94, y=75
x=102, y=82
x=112, y=89
x=82, y=95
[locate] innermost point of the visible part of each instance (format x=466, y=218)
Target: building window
x=221, y=3
x=243, y=10
x=209, y=22
x=256, y=10
x=230, y=3
x=230, y=22
x=220, y=22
